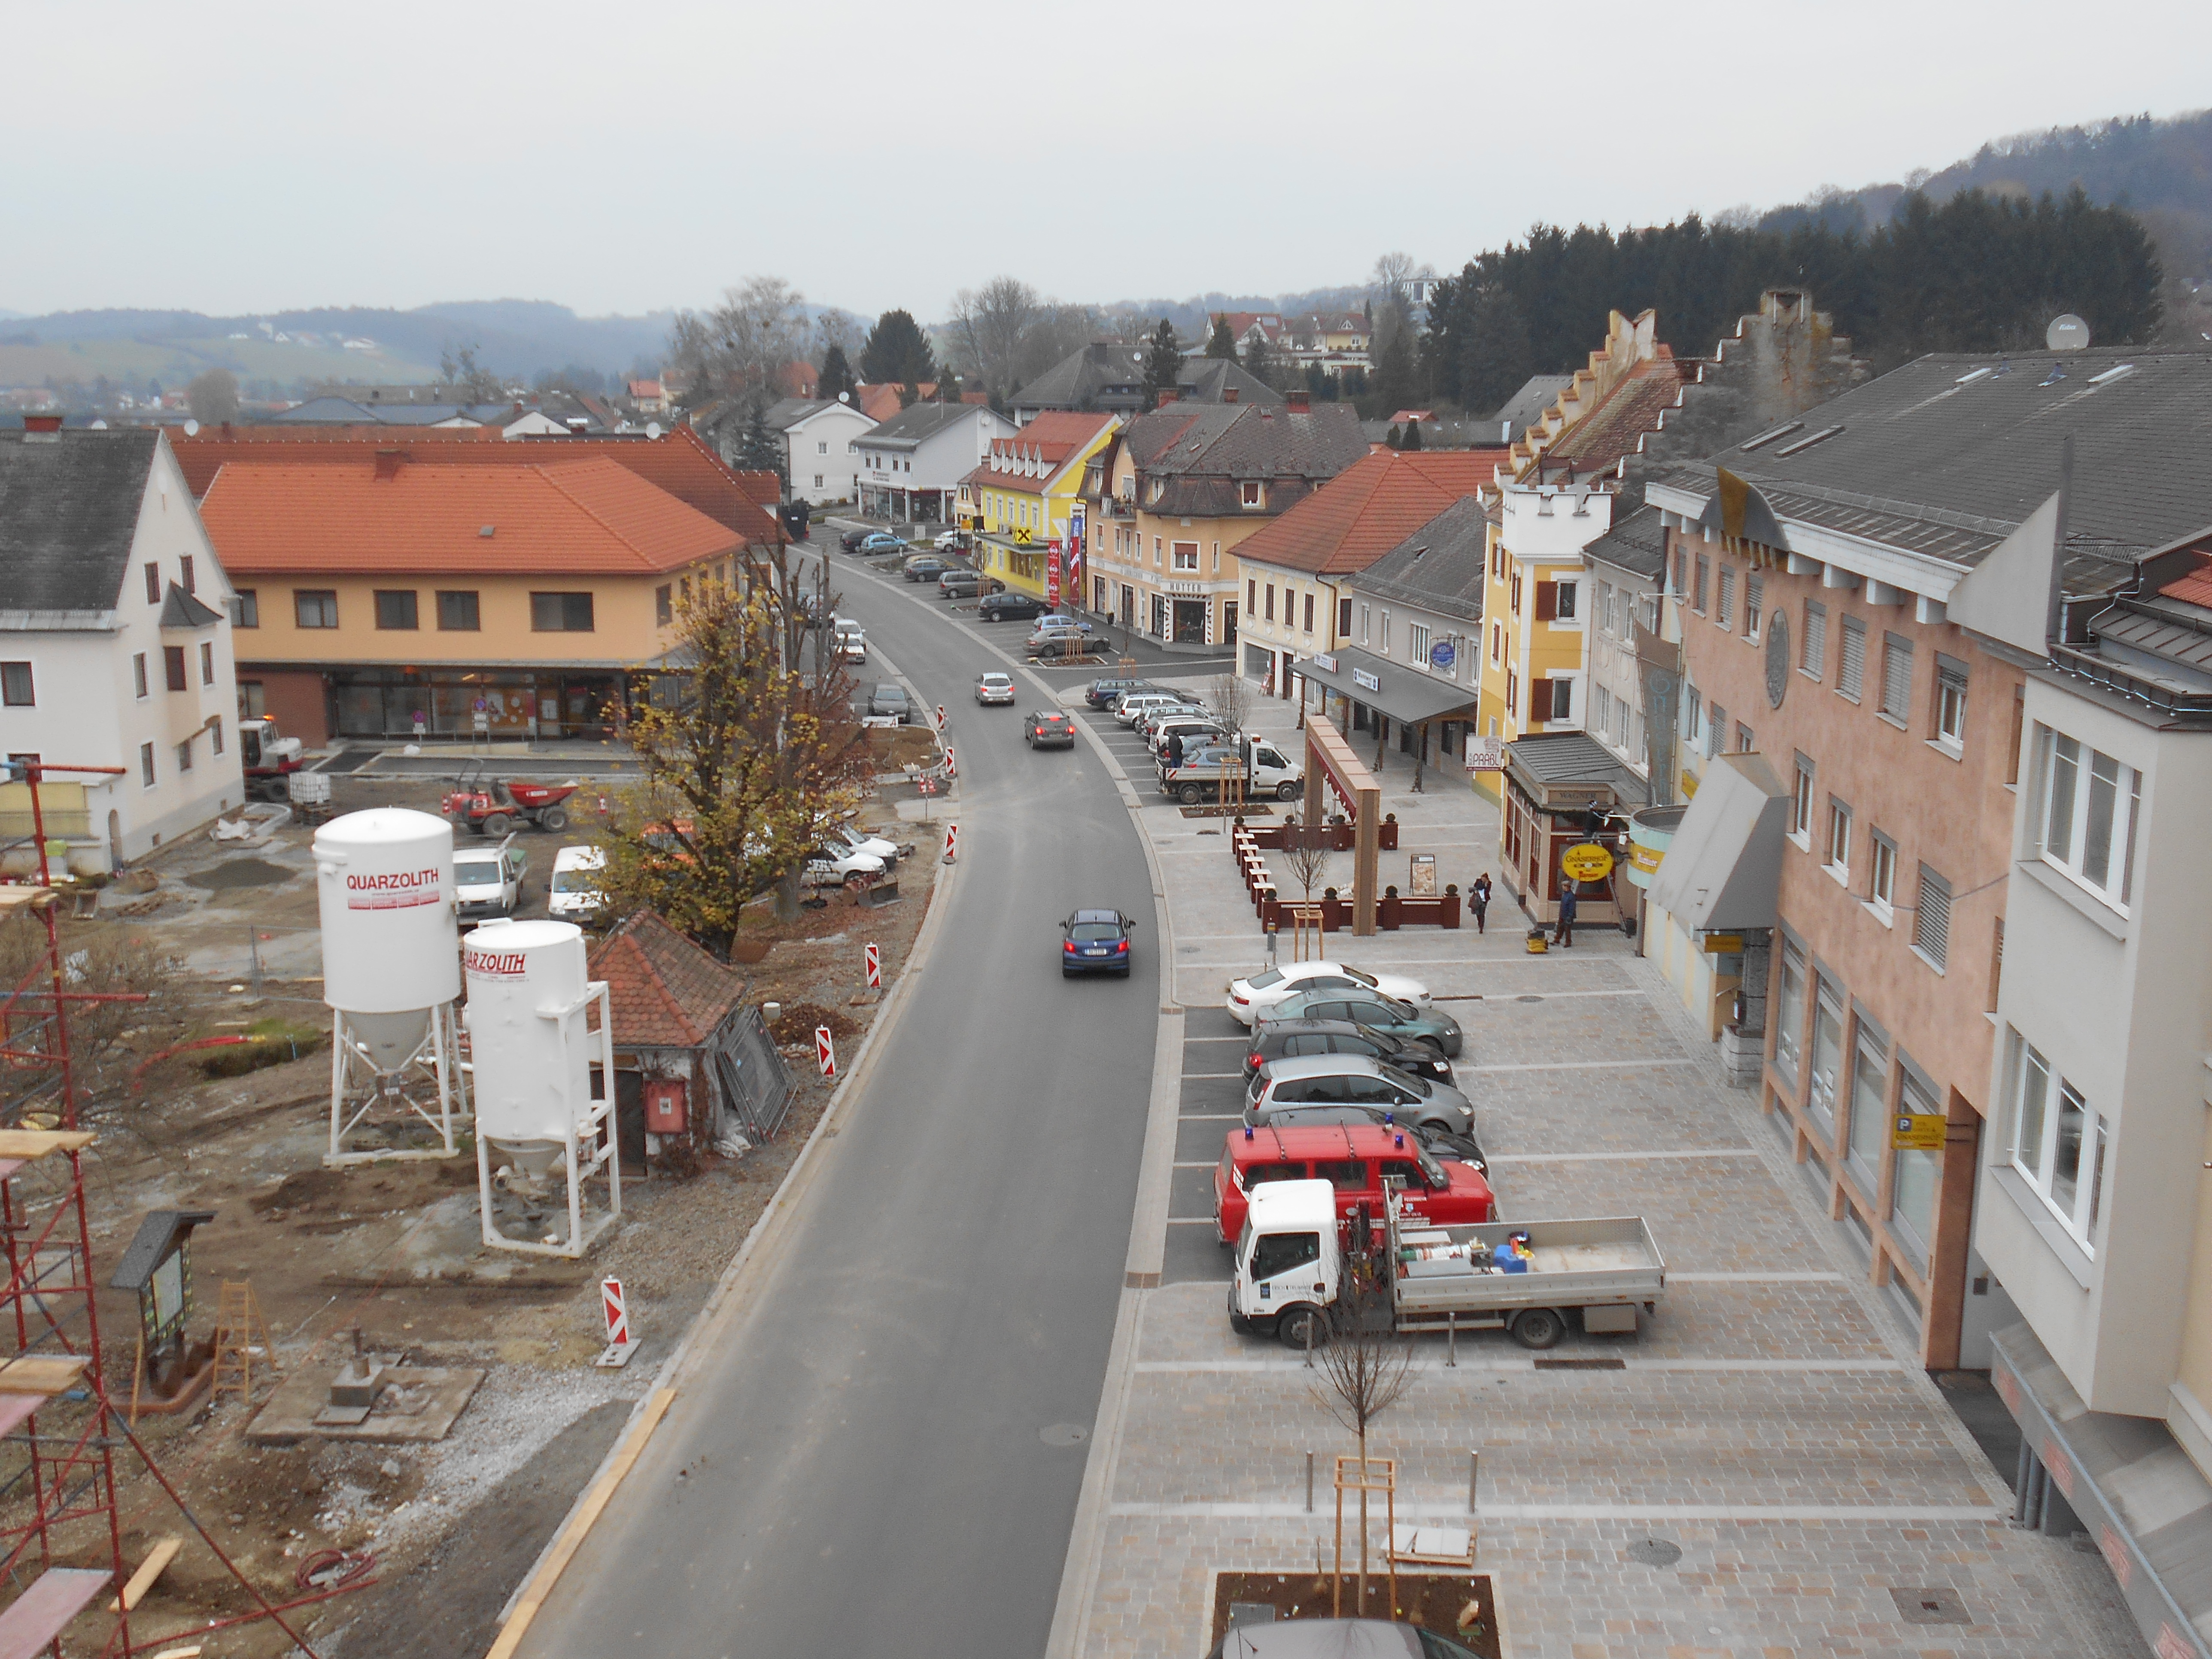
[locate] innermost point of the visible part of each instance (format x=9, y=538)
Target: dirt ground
x=394, y=1249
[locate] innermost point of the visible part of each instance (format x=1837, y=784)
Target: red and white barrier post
x=951, y=842
x=620, y=1343
x=825, y=1051
x=875, y=968
x=940, y=717
x=950, y=770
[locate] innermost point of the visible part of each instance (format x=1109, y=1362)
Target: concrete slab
x=419, y=1405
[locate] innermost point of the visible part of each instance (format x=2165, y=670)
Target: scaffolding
x=60, y=1526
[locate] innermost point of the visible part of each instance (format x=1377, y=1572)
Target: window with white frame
x=1620, y=722
x=1497, y=641
x=1693, y=716
x=1600, y=709
x=1605, y=607
x=1839, y=840
x=1815, y=661
x=1881, y=877
x=1950, y=703
x=1755, y=596
x=1931, y=918
x=2057, y=1140
x=1417, y=644
x=1364, y=611
x=1854, y=668
x=1563, y=602
x=1186, y=555
x=1802, y=802
x=2086, y=802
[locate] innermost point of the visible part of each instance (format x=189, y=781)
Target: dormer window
x=1160, y=488
x=1251, y=492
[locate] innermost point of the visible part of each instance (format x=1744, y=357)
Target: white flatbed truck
x=1290, y=1268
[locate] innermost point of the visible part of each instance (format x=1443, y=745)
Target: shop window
x=1826, y=1060
x=459, y=611
x=1868, y=1133
x=1789, y=1013
x=1913, y=1181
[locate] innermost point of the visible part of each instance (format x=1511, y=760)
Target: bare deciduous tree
x=471, y=382
x=736, y=349
x=1306, y=854
x=213, y=396
x=1365, y=1369
x=1231, y=694
x=988, y=327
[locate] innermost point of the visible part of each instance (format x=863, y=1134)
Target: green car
x=1371, y=1008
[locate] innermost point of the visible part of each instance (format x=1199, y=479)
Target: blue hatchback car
x=1098, y=942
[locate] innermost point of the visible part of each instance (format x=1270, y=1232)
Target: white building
x=912, y=464
x=2092, y=1213
x=821, y=447
x=115, y=643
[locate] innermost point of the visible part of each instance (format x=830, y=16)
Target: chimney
x=387, y=463
x=1168, y=394
x=1300, y=401
x=42, y=423
x=1229, y=394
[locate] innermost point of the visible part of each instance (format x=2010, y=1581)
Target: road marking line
x=1791, y=1367
x=1188, y=1221
x=1617, y=1158
x=1674, y=1278
x=1188, y=1041
x=1211, y=1117
x=1872, y=1513
x=1579, y=1064
x=1189, y=1076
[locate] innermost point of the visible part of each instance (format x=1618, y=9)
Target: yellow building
x=1025, y=498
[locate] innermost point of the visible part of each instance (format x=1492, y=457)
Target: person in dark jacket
x=1175, y=750
x=1480, y=894
x=1566, y=935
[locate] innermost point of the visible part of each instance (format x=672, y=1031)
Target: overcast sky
x=233, y=158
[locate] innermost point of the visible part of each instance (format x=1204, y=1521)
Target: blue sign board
x=1441, y=655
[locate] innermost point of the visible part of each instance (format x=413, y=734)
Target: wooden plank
x=42, y=1374
x=34, y=1619
x=29, y=1144
x=151, y=1568
x=15, y=1407
x=21, y=898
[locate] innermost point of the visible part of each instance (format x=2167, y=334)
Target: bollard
x=825, y=1051
x=1451, y=1338
x=1473, y=1473
x=1309, y=1483
x=875, y=961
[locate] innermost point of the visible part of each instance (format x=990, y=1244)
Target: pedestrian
x=1175, y=750
x=1566, y=935
x=1481, y=895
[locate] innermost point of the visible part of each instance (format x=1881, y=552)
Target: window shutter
x=1854, y=658
x=1931, y=922
x=1816, y=639
x=1540, y=700
x=1547, y=601
x=1896, y=675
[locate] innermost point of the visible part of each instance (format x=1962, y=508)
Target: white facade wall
x=2117, y=1004
x=941, y=460
x=89, y=711
x=821, y=457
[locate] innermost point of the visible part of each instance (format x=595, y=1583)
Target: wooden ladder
x=237, y=1319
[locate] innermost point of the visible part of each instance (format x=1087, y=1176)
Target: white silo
x=383, y=887
x=532, y=1050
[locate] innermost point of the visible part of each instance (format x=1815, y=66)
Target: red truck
x=1354, y=1158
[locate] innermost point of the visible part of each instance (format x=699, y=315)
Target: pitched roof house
x=115, y=643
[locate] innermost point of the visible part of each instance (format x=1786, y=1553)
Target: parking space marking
x=1189, y=1076
x=1581, y=1065
x=1619, y=1158
x=1747, y=1513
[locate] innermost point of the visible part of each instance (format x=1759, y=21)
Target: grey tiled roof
x=1202, y=452
x=786, y=413
x=1947, y=455
x=922, y=421
x=69, y=513
x=1438, y=566
x=1636, y=545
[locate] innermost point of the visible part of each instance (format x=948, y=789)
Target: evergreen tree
x=948, y=385
x=836, y=375
x=897, y=351
x=761, y=448
x=1495, y=355
x=1410, y=439
x=1394, y=372
x=1318, y=385
x=1393, y=438
x=1221, y=343
x=1162, y=363
x=1259, y=362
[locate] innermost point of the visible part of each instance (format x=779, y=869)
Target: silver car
x=1356, y=1080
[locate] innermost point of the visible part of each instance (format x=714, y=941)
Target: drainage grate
x=1530, y=999
x=1654, y=1552
x=1064, y=1434
x=1938, y=1605
x=1582, y=1364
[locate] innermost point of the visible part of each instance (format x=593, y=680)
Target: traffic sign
x=1919, y=1132
x=875, y=968
x=825, y=1051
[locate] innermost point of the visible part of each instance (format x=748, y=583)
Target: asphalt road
x=874, y=1457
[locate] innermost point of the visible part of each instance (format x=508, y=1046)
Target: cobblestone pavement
x=1769, y=1421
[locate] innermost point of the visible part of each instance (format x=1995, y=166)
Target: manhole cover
x=1064, y=1434
x=240, y=873
x=1654, y=1552
x=1528, y=999
x=1938, y=1605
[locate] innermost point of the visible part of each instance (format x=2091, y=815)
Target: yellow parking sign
x=1919, y=1132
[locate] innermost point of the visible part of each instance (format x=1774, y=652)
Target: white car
x=839, y=866
x=1134, y=703
x=573, y=894
x=861, y=841
x=1250, y=999
x=851, y=640
x=995, y=688
x=948, y=541
x=488, y=880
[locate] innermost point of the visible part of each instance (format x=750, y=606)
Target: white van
x=573, y=894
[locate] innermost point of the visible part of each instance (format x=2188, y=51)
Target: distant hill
x=516, y=337
x=2160, y=168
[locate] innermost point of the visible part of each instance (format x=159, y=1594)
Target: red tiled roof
x=879, y=399
x=582, y=517
x=1051, y=437
x=1369, y=507
x=663, y=991
x=681, y=462
x=645, y=389
x=2194, y=588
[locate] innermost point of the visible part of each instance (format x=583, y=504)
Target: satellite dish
x=844, y=397
x=653, y=428
x=2067, y=332
x=191, y=429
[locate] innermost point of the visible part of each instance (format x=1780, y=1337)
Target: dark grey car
x=891, y=700
x=1288, y=1039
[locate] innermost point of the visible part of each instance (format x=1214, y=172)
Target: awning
x=1406, y=695
x=2129, y=1482
x=1723, y=868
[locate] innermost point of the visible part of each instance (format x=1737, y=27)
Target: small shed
x=694, y=1062
x=1563, y=788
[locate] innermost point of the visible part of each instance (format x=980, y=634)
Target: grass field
x=131, y=364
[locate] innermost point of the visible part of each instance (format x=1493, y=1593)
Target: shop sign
x=1325, y=662
x=1365, y=681
x=1052, y=576
x=1485, y=754
x=1723, y=945
x=1644, y=859
x=1442, y=656
x=1919, y=1132
x=1586, y=862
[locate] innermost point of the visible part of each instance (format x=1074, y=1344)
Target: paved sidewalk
x=1770, y=1423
